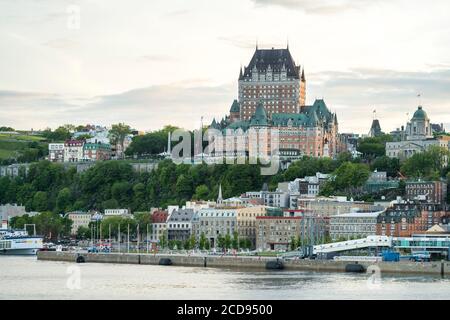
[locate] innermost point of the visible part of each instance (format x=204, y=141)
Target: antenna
x=420, y=98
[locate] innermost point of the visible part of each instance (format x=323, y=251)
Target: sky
x=159, y=62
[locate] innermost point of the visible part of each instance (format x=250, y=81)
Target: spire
x=219, y=198
x=303, y=75
x=169, y=151
x=241, y=75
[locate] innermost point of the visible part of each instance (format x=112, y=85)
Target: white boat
x=13, y=242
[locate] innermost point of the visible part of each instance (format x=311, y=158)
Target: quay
x=441, y=268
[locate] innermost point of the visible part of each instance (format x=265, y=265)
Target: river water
x=28, y=278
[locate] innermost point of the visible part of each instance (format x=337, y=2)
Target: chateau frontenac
x=272, y=95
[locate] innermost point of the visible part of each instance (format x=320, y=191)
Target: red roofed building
x=159, y=225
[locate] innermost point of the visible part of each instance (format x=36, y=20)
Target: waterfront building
x=354, y=225
x=431, y=191
x=79, y=219
x=159, y=225
x=179, y=224
x=220, y=221
x=416, y=138
x=277, y=233
x=328, y=207
x=405, y=218
x=56, y=152
x=73, y=150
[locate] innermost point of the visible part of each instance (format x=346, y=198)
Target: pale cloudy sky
x=155, y=62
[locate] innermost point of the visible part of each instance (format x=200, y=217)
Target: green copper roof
x=235, y=107
x=260, y=116
x=214, y=124
x=239, y=125
x=420, y=114
x=311, y=116
x=285, y=119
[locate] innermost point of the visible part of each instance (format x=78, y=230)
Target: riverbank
x=431, y=268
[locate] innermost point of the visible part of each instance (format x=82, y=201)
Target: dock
x=439, y=268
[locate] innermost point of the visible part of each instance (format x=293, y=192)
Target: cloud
x=145, y=108
x=354, y=94
x=317, y=6
x=246, y=42
x=156, y=58
x=61, y=43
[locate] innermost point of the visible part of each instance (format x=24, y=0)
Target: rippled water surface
x=28, y=278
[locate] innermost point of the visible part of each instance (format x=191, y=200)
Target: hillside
x=21, y=147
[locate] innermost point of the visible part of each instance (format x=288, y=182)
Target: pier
x=439, y=268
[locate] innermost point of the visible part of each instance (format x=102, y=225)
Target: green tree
x=202, y=241
x=428, y=165
x=220, y=242
x=385, y=163
x=235, y=241
x=51, y=225
x=192, y=242
x=64, y=200
x=201, y=192
x=152, y=143
x=293, y=243
x=40, y=201
x=118, y=133
x=227, y=241
x=184, y=187
x=347, y=178
x=83, y=233
x=373, y=147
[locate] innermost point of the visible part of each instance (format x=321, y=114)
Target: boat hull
x=19, y=252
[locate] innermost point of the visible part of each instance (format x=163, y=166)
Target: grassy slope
x=10, y=144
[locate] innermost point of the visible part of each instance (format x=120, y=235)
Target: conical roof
x=260, y=116
x=235, y=107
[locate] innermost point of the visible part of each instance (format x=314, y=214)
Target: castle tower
x=273, y=77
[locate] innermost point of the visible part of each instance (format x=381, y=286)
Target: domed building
x=419, y=127
x=417, y=137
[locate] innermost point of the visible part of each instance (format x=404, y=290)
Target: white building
x=56, y=152
x=117, y=212
x=73, y=150
x=8, y=211
x=417, y=137
x=354, y=225
x=79, y=219
x=278, y=199
x=14, y=170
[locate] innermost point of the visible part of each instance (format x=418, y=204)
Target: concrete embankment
x=437, y=268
